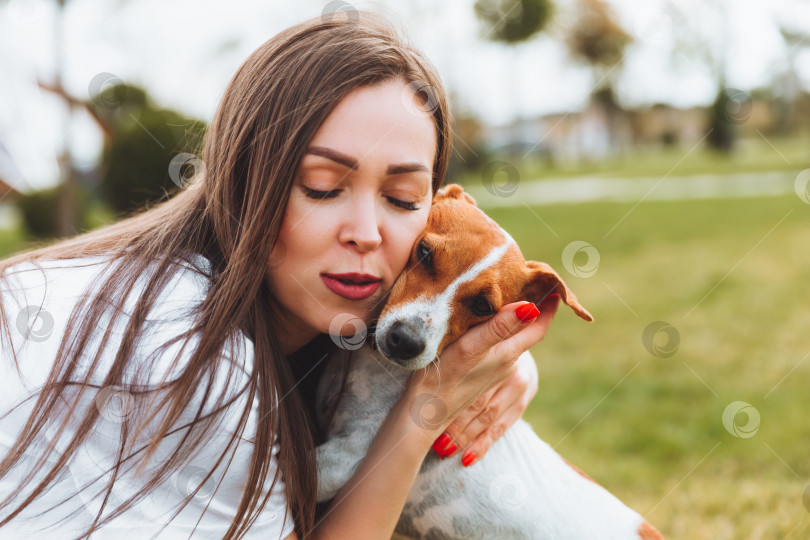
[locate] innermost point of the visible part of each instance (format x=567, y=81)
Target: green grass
x=753, y=154
x=732, y=277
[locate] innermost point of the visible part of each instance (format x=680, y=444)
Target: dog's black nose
x=402, y=343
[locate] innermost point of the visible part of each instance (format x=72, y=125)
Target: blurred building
x=593, y=133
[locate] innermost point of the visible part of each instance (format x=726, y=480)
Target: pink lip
x=365, y=285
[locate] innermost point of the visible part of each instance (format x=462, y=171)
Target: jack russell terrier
x=462, y=270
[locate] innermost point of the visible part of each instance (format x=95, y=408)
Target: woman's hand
x=481, y=387
x=475, y=429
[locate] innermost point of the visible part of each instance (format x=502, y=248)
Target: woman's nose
x=362, y=227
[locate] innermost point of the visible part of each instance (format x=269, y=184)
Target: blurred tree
x=704, y=37
x=788, y=86
x=513, y=21
x=40, y=211
x=469, y=153
x=140, y=142
x=135, y=162
x=596, y=37
x=722, y=133
x=66, y=210
x=597, y=40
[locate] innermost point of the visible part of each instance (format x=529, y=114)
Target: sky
x=185, y=52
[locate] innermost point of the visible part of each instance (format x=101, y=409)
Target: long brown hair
x=231, y=215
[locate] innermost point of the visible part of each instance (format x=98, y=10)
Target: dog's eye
x=424, y=256
x=481, y=307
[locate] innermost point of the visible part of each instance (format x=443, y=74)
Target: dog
x=462, y=270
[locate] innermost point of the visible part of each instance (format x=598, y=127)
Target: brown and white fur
x=522, y=489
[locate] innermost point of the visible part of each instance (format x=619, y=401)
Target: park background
x=656, y=153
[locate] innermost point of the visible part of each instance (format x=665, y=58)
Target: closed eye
x=318, y=195
x=403, y=204
x=315, y=194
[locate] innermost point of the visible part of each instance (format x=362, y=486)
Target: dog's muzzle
x=402, y=343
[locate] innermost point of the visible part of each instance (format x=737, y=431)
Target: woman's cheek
x=407, y=235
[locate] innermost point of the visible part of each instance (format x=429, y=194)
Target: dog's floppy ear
x=453, y=191
x=542, y=280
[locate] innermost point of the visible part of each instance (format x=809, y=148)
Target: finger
x=510, y=319
x=505, y=398
x=532, y=333
x=452, y=439
x=547, y=308
x=478, y=448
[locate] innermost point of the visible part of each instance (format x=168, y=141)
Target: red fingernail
x=441, y=443
x=552, y=295
x=468, y=458
x=449, y=450
x=527, y=312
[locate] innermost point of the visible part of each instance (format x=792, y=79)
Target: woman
x=162, y=389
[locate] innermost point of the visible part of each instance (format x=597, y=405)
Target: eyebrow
x=351, y=163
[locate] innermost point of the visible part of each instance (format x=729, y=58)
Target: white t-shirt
x=38, y=299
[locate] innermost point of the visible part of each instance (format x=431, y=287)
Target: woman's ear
x=542, y=281
x=453, y=191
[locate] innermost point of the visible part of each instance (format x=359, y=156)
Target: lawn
x=755, y=153
x=731, y=277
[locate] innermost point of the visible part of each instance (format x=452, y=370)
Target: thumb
x=509, y=320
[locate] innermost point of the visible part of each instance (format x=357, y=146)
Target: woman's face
x=360, y=200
